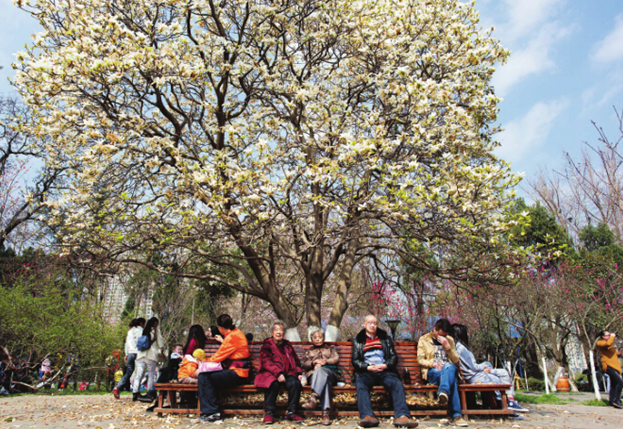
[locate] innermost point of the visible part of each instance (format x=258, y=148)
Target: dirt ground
x=104, y=412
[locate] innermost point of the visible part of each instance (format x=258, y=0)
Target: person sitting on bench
x=279, y=364
x=439, y=360
x=233, y=354
x=374, y=362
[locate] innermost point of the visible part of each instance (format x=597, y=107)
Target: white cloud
x=527, y=134
x=531, y=29
x=611, y=47
x=534, y=58
x=525, y=16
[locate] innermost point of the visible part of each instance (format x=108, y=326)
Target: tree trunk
x=594, y=375
x=341, y=297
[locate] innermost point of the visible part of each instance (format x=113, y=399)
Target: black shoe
x=151, y=409
x=210, y=418
x=148, y=398
x=617, y=405
x=134, y=397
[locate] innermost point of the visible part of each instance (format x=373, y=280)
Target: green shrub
x=536, y=385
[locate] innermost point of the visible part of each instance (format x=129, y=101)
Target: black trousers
x=209, y=382
x=616, y=385
x=293, y=386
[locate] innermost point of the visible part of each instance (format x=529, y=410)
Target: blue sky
x=566, y=69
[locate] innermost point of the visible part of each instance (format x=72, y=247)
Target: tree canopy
x=286, y=140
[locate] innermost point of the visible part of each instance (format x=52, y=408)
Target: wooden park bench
x=248, y=399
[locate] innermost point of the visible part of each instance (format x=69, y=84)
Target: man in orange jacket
x=611, y=366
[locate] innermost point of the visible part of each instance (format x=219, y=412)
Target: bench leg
x=463, y=400
x=172, y=398
x=504, y=400
x=160, y=397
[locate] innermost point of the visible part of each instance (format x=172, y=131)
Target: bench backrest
x=406, y=351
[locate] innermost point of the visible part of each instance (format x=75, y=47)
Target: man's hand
x=317, y=366
x=218, y=338
x=300, y=377
x=377, y=368
x=322, y=362
x=125, y=359
x=444, y=342
x=281, y=378
x=195, y=374
x=438, y=366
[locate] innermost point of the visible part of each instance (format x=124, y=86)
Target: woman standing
x=136, y=330
x=148, y=359
x=611, y=366
x=320, y=364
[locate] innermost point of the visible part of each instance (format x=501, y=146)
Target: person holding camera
x=611, y=366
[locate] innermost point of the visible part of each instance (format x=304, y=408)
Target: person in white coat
x=135, y=331
x=148, y=360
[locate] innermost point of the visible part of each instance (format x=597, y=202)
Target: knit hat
x=199, y=354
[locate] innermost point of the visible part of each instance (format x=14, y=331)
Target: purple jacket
x=272, y=362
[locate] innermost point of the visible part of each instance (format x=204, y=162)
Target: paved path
x=104, y=412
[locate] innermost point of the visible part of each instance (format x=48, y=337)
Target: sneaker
x=294, y=417
x=268, y=419
x=442, y=399
x=516, y=416
x=460, y=422
x=115, y=393
x=514, y=406
x=368, y=422
x=617, y=405
x=405, y=422
x=209, y=418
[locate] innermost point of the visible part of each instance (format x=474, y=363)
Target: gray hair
x=315, y=329
x=278, y=323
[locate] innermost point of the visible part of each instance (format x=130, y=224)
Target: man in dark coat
x=374, y=363
x=279, y=364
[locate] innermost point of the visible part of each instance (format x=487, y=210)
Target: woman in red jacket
x=279, y=364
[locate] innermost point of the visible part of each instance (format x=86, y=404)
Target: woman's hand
x=487, y=370
x=218, y=338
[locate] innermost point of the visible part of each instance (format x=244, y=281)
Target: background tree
x=589, y=190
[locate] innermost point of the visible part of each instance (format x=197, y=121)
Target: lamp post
x=393, y=324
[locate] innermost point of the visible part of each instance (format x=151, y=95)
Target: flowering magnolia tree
x=271, y=137
x=20, y=203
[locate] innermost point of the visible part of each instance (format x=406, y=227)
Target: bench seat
x=419, y=394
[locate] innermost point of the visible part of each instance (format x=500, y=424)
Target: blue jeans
x=447, y=382
x=392, y=384
x=129, y=370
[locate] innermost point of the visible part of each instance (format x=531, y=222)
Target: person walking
x=611, y=366
x=148, y=360
x=136, y=330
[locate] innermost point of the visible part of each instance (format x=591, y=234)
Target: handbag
x=209, y=367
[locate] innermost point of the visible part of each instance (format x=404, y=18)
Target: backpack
x=143, y=343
